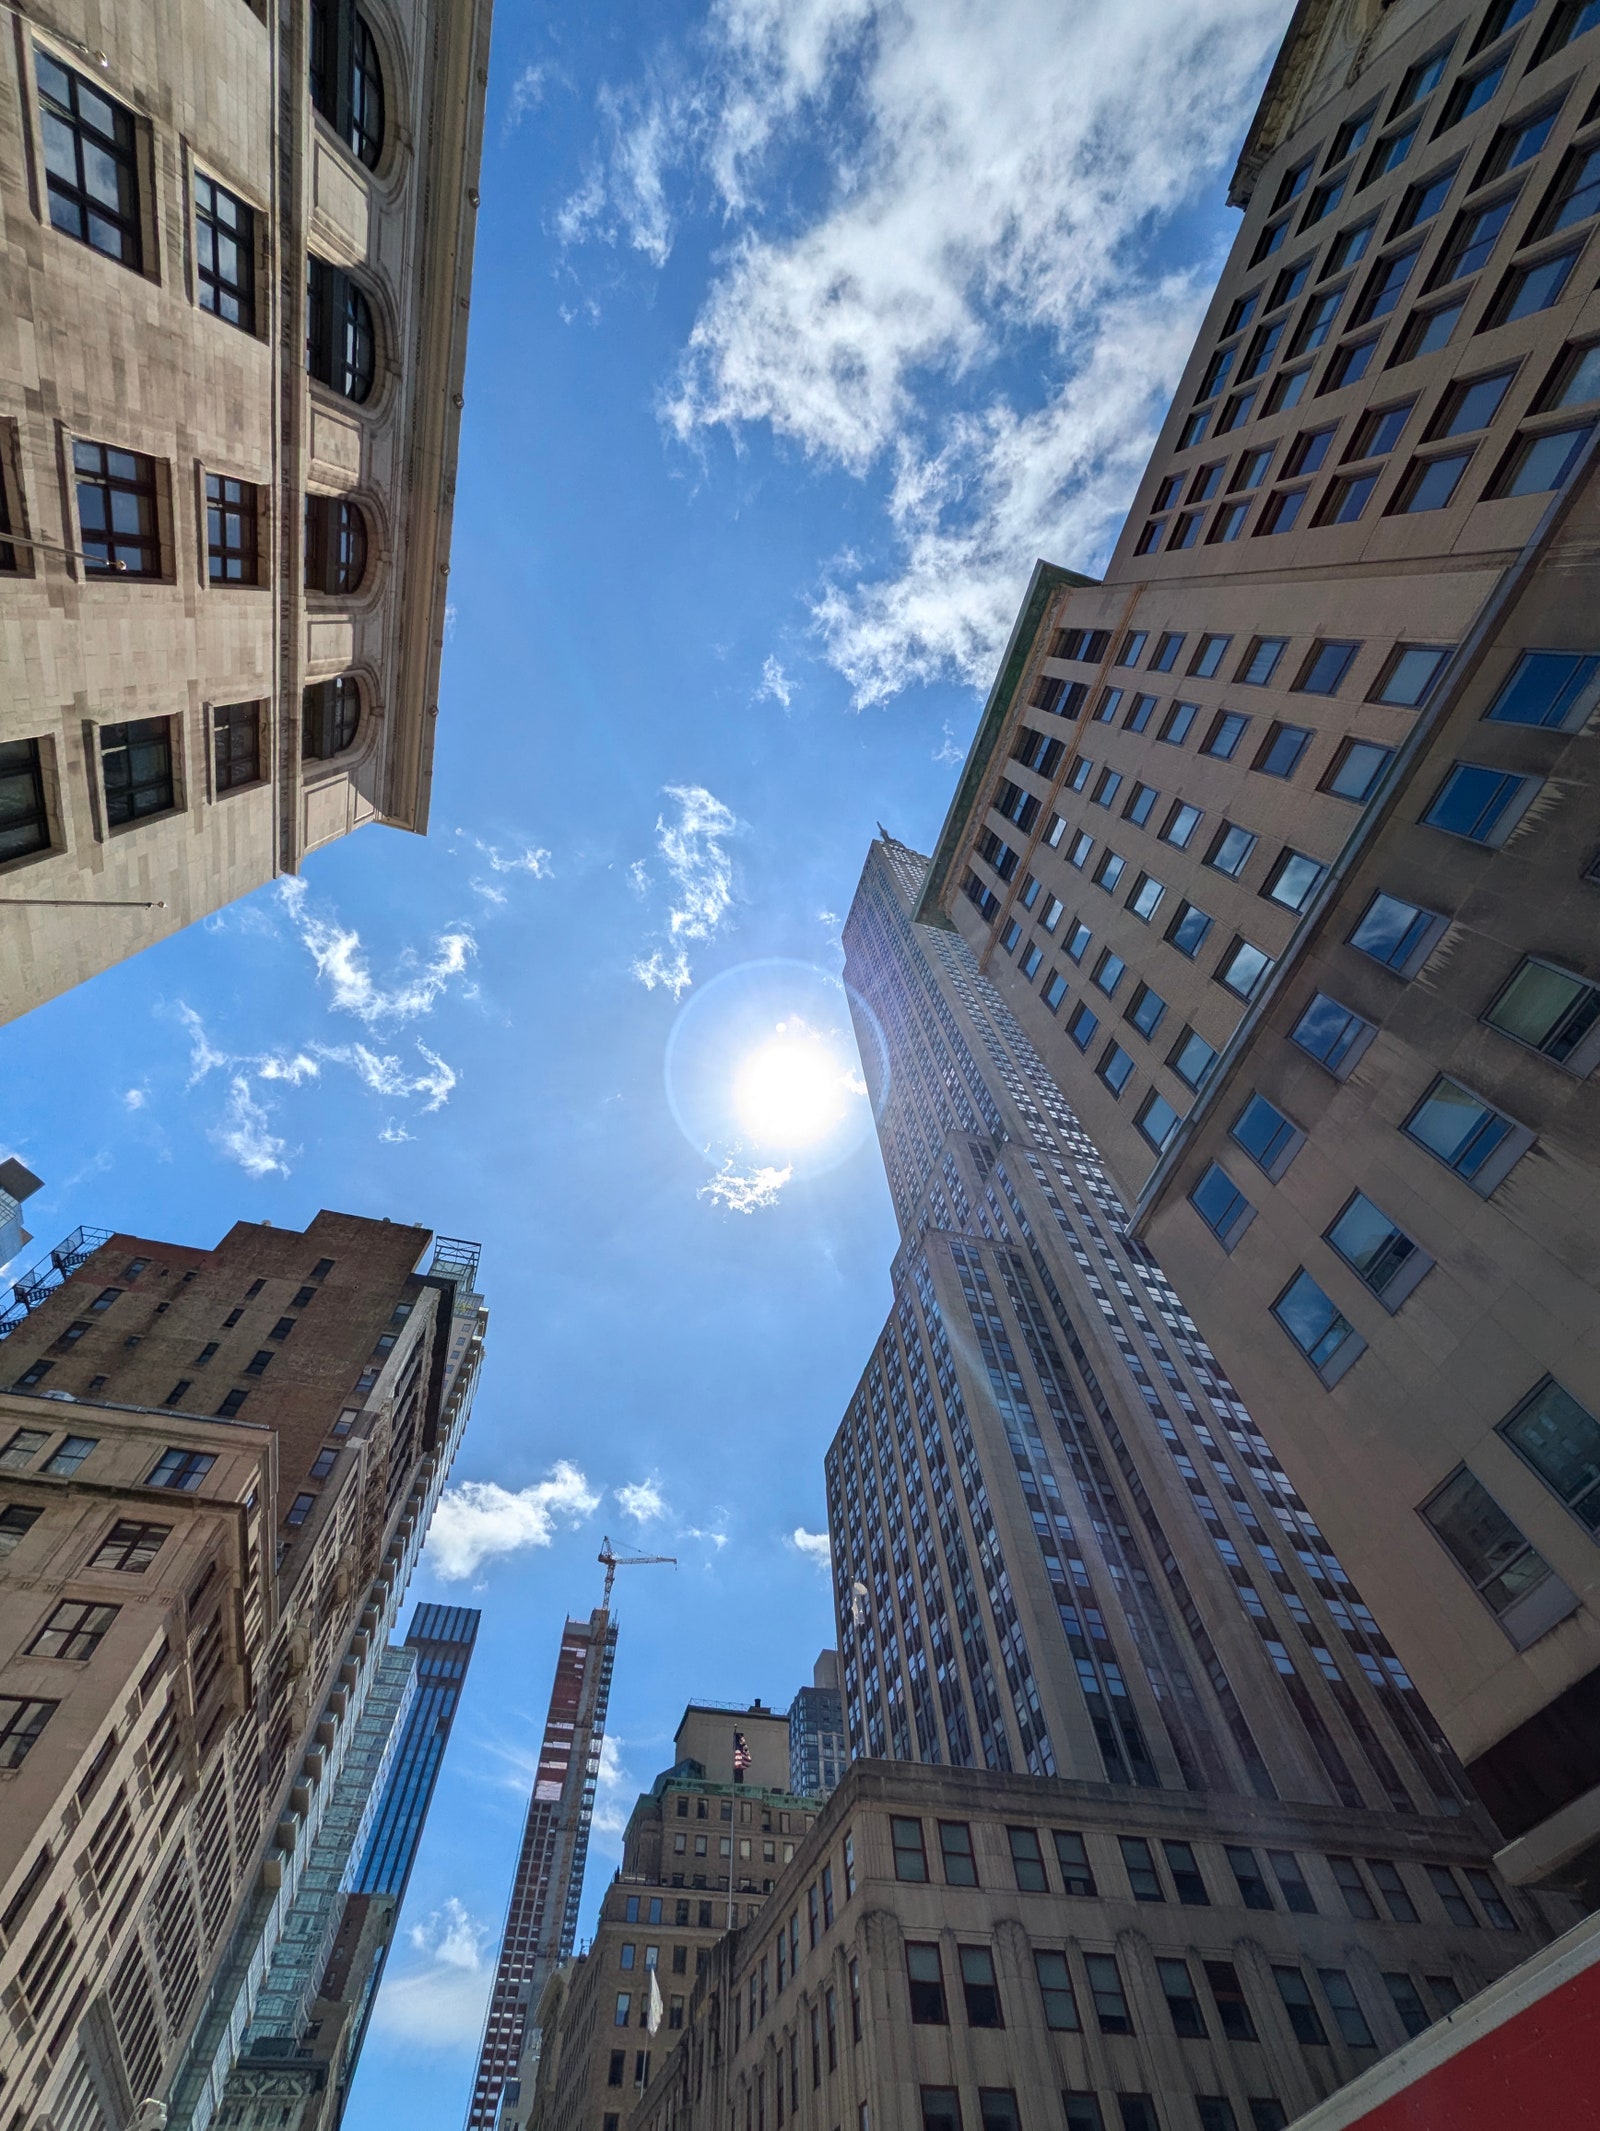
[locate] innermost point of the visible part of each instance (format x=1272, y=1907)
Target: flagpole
x=732, y=1824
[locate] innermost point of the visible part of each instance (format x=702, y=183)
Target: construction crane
x=613, y=1562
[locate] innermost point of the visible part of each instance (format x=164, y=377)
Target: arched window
x=346, y=79
x=336, y=544
x=330, y=714
x=339, y=344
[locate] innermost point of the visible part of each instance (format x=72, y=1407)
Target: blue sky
x=799, y=331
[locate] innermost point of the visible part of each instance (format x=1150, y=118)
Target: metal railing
x=46, y=1274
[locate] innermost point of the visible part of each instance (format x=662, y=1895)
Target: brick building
x=217, y=1469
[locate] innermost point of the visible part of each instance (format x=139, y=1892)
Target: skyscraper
x=442, y=1638
x=225, y=583
x=542, y=1915
x=217, y=1469
x=818, y=1748
x=1280, y=846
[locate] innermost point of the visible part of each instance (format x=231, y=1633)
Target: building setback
x=541, y=1923
x=1279, y=844
x=233, y=310
x=704, y=1847
x=217, y=1469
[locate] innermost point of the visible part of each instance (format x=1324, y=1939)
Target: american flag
x=742, y=1755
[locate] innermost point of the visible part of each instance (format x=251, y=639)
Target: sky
x=800, y=329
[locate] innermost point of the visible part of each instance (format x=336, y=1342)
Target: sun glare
x=791, y=1091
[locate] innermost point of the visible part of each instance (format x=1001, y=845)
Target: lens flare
x=792, y=1091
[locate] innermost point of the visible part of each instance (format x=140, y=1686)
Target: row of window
x=123, y=515
x=140, y=763
x=92, y=163
x=1471, y=239
x=1083, y=2110
x=1063, y=1999
x=1403, y=679
x=1178, y=1869
x=181, y=1469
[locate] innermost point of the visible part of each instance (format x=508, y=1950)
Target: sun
x=791, y=1091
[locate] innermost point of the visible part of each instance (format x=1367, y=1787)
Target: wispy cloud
x=745, y=1190
x=613, y=1802
x=244, y=1132
x=775, y=683
x=479, y=1520
x=527, y=94
x=994, y=182
x=693, y=848
x=642, y=1500
x=135, y=1098
x=434, y=1999
x=341, y=963
x=949, y=748
x=815, y=1546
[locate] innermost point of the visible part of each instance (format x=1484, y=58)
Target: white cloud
x=438, y=2002
x=815, y=1546
x=394, y=1134
x=337, y=952
x=527, y=94
x=694, y=850
x=994, y=183
x=244, y=1133
x=135, y=1098
x=949, y=749
x=480, y=1519
x=642, y=1500
x=775, y=683
x=532, y=859
x=745, y=1190
x=613, y=1801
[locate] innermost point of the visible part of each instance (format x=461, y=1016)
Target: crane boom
x=612, y=1562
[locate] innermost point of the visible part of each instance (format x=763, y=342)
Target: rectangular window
x=1346, y=499
x=1347, y=1875
x=1109, y=871
x=1115, y=1068
x=232, y=543
x=910, y=1857
x=1140, y=804
x=136, y=769
x=1385, y=285
x=1356, y=769
x=1031, y=960
x=1386, y=1877
x=1333, y=1034
x=1226, y=731
x=1188, y=2022
x=1243, y=969
x=1178, y=722
x=1140, y=712
x=69, y=1455
x=1483, y=1886
x=1326, y=1338
x=129, y=1546
x=74, y=1630
x=1215, y=2112
x=1472, y=238
x=1260, y=662
x=1466, y=1134
x=1297, y=2003
x=1078, y=939
x=236, y=745
x=1269, y=1138
x=16, y=1520
x=979, y=1988
x=24, y=817
x=90, y=161
x=299, y=1510
x=1229, y=850
x=118, y=525
x=21, y=1721
x=1054, y=991
x=1550, y=1011
x=1192, y=1058
x=1561, y=1441
x=925, y=1980
x=1143, y=1879
x=1209, y=654
x=1350, y=363
x=1336, y=1988
x=1188, y=929
x=1414, y=2016
x=1379, y=1253
x=1145, y=1010
x=1222, y=1206
x=1498, y=1562
x=1180, y=824
x=1076, y=1877
x=1055, y=1989
x=1547, y=688
x=1082, y=2111
x=1455, y=1904
x=1233, y=2008
x=1281, y=510
x=1027, y=1860
x=955, y=1847
x=1105, y=1986
x=1166, y=653
x=1146, y=897
x=1427, y=330
x=941, y=2109
x=1482, y=805
x=1109, y=971
x=1186, y=1880
x=1294, y=879
x=182, y=1470
x=1528, y=289
x=1539, y=463
x=225, y=253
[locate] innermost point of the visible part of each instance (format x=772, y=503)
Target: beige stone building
x=953, y=1950
x=704, y=1847
x=216, y=1472
x=235, y=256
x=1279, y=845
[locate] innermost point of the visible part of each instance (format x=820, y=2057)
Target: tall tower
x=542, y=1915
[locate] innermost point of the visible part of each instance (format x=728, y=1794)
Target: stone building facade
x=217, y=1469
x=234, y=276
x=704, y=1848
x=1279, y=844
x=953, y=1950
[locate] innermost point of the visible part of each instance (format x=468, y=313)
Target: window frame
x=126, y=147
